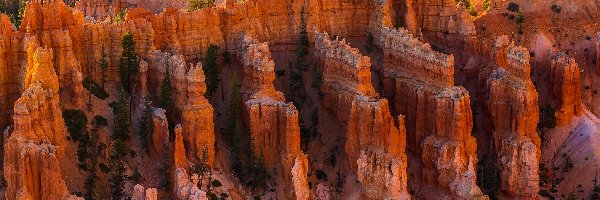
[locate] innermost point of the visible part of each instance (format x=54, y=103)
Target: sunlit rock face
x=374, y=143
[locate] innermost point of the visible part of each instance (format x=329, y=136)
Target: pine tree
x=233, y=113
x=166, y=92
x=121, y=116
x=166, y=165
x=118, y=170
x=211, y=69
x=90, y=181
x=303, y=44
x=129, y=63
x=232, y=129
x=146, y=125
x=103, y=67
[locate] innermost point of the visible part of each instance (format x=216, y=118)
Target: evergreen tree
x=121, y=116
x=232, y=129
x=166, y=92
x=303, y=44
x=118, y=170
x=370, y=42
x=166, y=165
x=90, y=181
x=120, y=17
x=233, y=113
x=261, y=173
x=129, y=63
x=199, y=4
x=211, y=69
x=146, y=125
x=16, y=17
x=103, y=67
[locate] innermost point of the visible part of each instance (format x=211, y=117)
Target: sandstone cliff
x=512, y=106
x=272, y=123
x=445, y=23
x=37, y=141
x=438, y=114
x=374, y=144
x=566, y=87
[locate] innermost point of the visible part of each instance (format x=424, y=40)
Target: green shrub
x=100, y=121
x=512, y=6
x=547, y=118
x=321, y=175
x=556, y=9
x=120, y=17
x=76, y=122
x=104, y=168
x=94, y=88
x=216, y=183
x=520, y=18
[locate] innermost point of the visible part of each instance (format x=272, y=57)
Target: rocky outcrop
x=188, y=83
x=420, y=81
x=179, y=155
x=160, y=130
x=186, y=189
x=445, y=23
x=140, y=193
x=37, y=141
x=272, y=123
x=374, y=144
x=566, y=87
x=100, y=9
x=512, y=106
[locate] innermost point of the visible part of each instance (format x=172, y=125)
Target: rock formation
x=438, y=114
x=37, y=141
x=100, y=9
x=189, y=86
x=160, y=130
x=140, y=193
x=566, y=87
x=512, y=106
x=186, y=189
x=272, y=123
x=374, y=144
x=444, y=22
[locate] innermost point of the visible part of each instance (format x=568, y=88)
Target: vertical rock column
x=438, y=114
x=566, y=87
x=374, y=144
x=273, y=123
x=512, y=105
x=37, y=142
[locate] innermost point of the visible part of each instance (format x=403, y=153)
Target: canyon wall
x=100, y=9
x=374, y=143
x=420, y=82
x=512, y=107
x=445, y=23
x=566, y=87
x=272, y=123
x=37, y=139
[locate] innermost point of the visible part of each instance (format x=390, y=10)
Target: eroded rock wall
x=512, y=106
x=374, y=143
x=438, y=114
x=272, y=123
x=37, y=140
x=566, y=87
x=445, y=23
